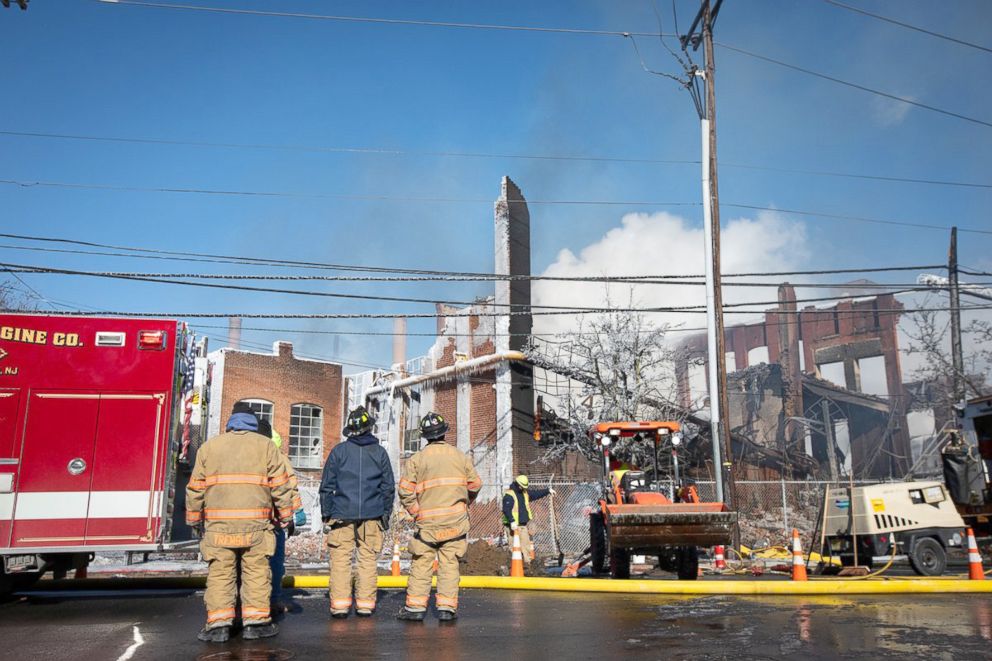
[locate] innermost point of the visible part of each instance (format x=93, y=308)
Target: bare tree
x=618, y=367
x=14, y=298
x=928, y=334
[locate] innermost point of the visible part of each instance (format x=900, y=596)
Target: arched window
x=306, y=437
x=261, y=407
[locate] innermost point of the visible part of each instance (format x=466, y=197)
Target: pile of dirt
x=484, y=559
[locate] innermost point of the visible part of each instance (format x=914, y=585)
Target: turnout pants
x=343, y=540
x=224, y=552
x=526, y=545
x=418, y=591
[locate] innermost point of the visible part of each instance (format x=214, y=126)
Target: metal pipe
x=448, y=372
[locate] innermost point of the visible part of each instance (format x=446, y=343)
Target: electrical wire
x=331, y=196
x=861, y=219
x=387, y=21
x=268, y=261
x=908, y=26
x=377, y=315
x=847, y=83
x=388, y=151
x=870, y=286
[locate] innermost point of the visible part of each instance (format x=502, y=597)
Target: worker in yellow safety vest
x=515, y=517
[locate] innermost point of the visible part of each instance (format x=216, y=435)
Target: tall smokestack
x=234, y=332
x=399, y=342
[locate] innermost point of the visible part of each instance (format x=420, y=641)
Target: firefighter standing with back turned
x=238, y=478
x=437, y=486
x=356, y=501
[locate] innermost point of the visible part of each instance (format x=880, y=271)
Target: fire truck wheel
x=619, y=563
x=597, y=542
x=687, y=559
x=14, y=582
x=928, y=557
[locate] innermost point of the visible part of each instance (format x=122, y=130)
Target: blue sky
x=90, y=68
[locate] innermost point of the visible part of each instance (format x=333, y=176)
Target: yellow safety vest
x=516, y=506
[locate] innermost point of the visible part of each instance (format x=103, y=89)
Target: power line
x=389, y=151
x=333, y=196
x=847, y=83
x=352, y=316
x=387, y=21
x=640, y=280
x=269, y=261
x=908, y=26
x=860, y=219
x=458, y=200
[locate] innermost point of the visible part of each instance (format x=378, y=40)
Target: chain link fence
x=769, y=510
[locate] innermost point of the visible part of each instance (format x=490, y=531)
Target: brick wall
x=284, y=381
x=446, y=395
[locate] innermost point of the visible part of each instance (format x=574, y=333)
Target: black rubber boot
x=339, y=615
x=447, y=616
x=215, y=635
x=411, y=616
x=364, y=612
x=256, y=631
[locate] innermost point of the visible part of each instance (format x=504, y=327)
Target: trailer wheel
x=619, y=563
x=928, y=557
x=597, y=542
x=687, y=563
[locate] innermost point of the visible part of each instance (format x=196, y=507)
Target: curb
x=716, y=587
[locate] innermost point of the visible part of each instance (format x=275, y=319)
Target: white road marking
x=138, y=642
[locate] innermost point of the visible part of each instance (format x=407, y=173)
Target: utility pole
x=716, y=358
x=957, y=356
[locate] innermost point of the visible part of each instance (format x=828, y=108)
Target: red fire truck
x=96, y=421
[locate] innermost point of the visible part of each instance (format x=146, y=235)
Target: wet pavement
x=513, y=625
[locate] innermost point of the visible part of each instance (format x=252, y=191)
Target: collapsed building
x=815, y=392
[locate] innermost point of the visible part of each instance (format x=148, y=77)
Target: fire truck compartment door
x=9, y=401
x=125, y=501
x=53, y=485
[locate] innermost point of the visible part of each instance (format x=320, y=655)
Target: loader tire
x=687, y=563
x=619, y=563
x=597, y=542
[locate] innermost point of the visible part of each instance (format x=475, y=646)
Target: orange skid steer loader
x=634, y=516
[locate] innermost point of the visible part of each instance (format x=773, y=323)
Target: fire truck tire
x=619, y=563
x=928, y=557
x=687, y=563
x=597, y=542
x=14, y=582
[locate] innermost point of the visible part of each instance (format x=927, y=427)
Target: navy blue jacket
x=357, y=483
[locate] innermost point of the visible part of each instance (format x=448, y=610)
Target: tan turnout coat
x=240, y=483
x=437, y=485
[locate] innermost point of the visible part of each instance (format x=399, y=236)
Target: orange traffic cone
x=975, y=572
x=395, y=567
x=718, y=562
x=517, y=559
x=798, y=564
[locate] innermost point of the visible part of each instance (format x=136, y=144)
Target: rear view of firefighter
x=517, y=512
x=239, y=484
x=356, y=501
x=437, y=486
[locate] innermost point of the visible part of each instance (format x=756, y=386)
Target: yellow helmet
x=523, y=481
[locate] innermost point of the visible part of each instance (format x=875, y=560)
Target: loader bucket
x=676, y=524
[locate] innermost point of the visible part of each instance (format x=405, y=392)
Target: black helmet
x=359, y=422
x=433, y=426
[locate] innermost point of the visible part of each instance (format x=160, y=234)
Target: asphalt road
x=162, y=624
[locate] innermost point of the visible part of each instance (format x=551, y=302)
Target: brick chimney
x=283, y=349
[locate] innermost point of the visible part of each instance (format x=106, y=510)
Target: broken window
x=873, y=378
x=757, y=356
x=833, y=372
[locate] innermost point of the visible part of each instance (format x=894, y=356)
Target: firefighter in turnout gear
x=238, y=486
x=517, y=512
x=437, y=486
x=356, y=502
